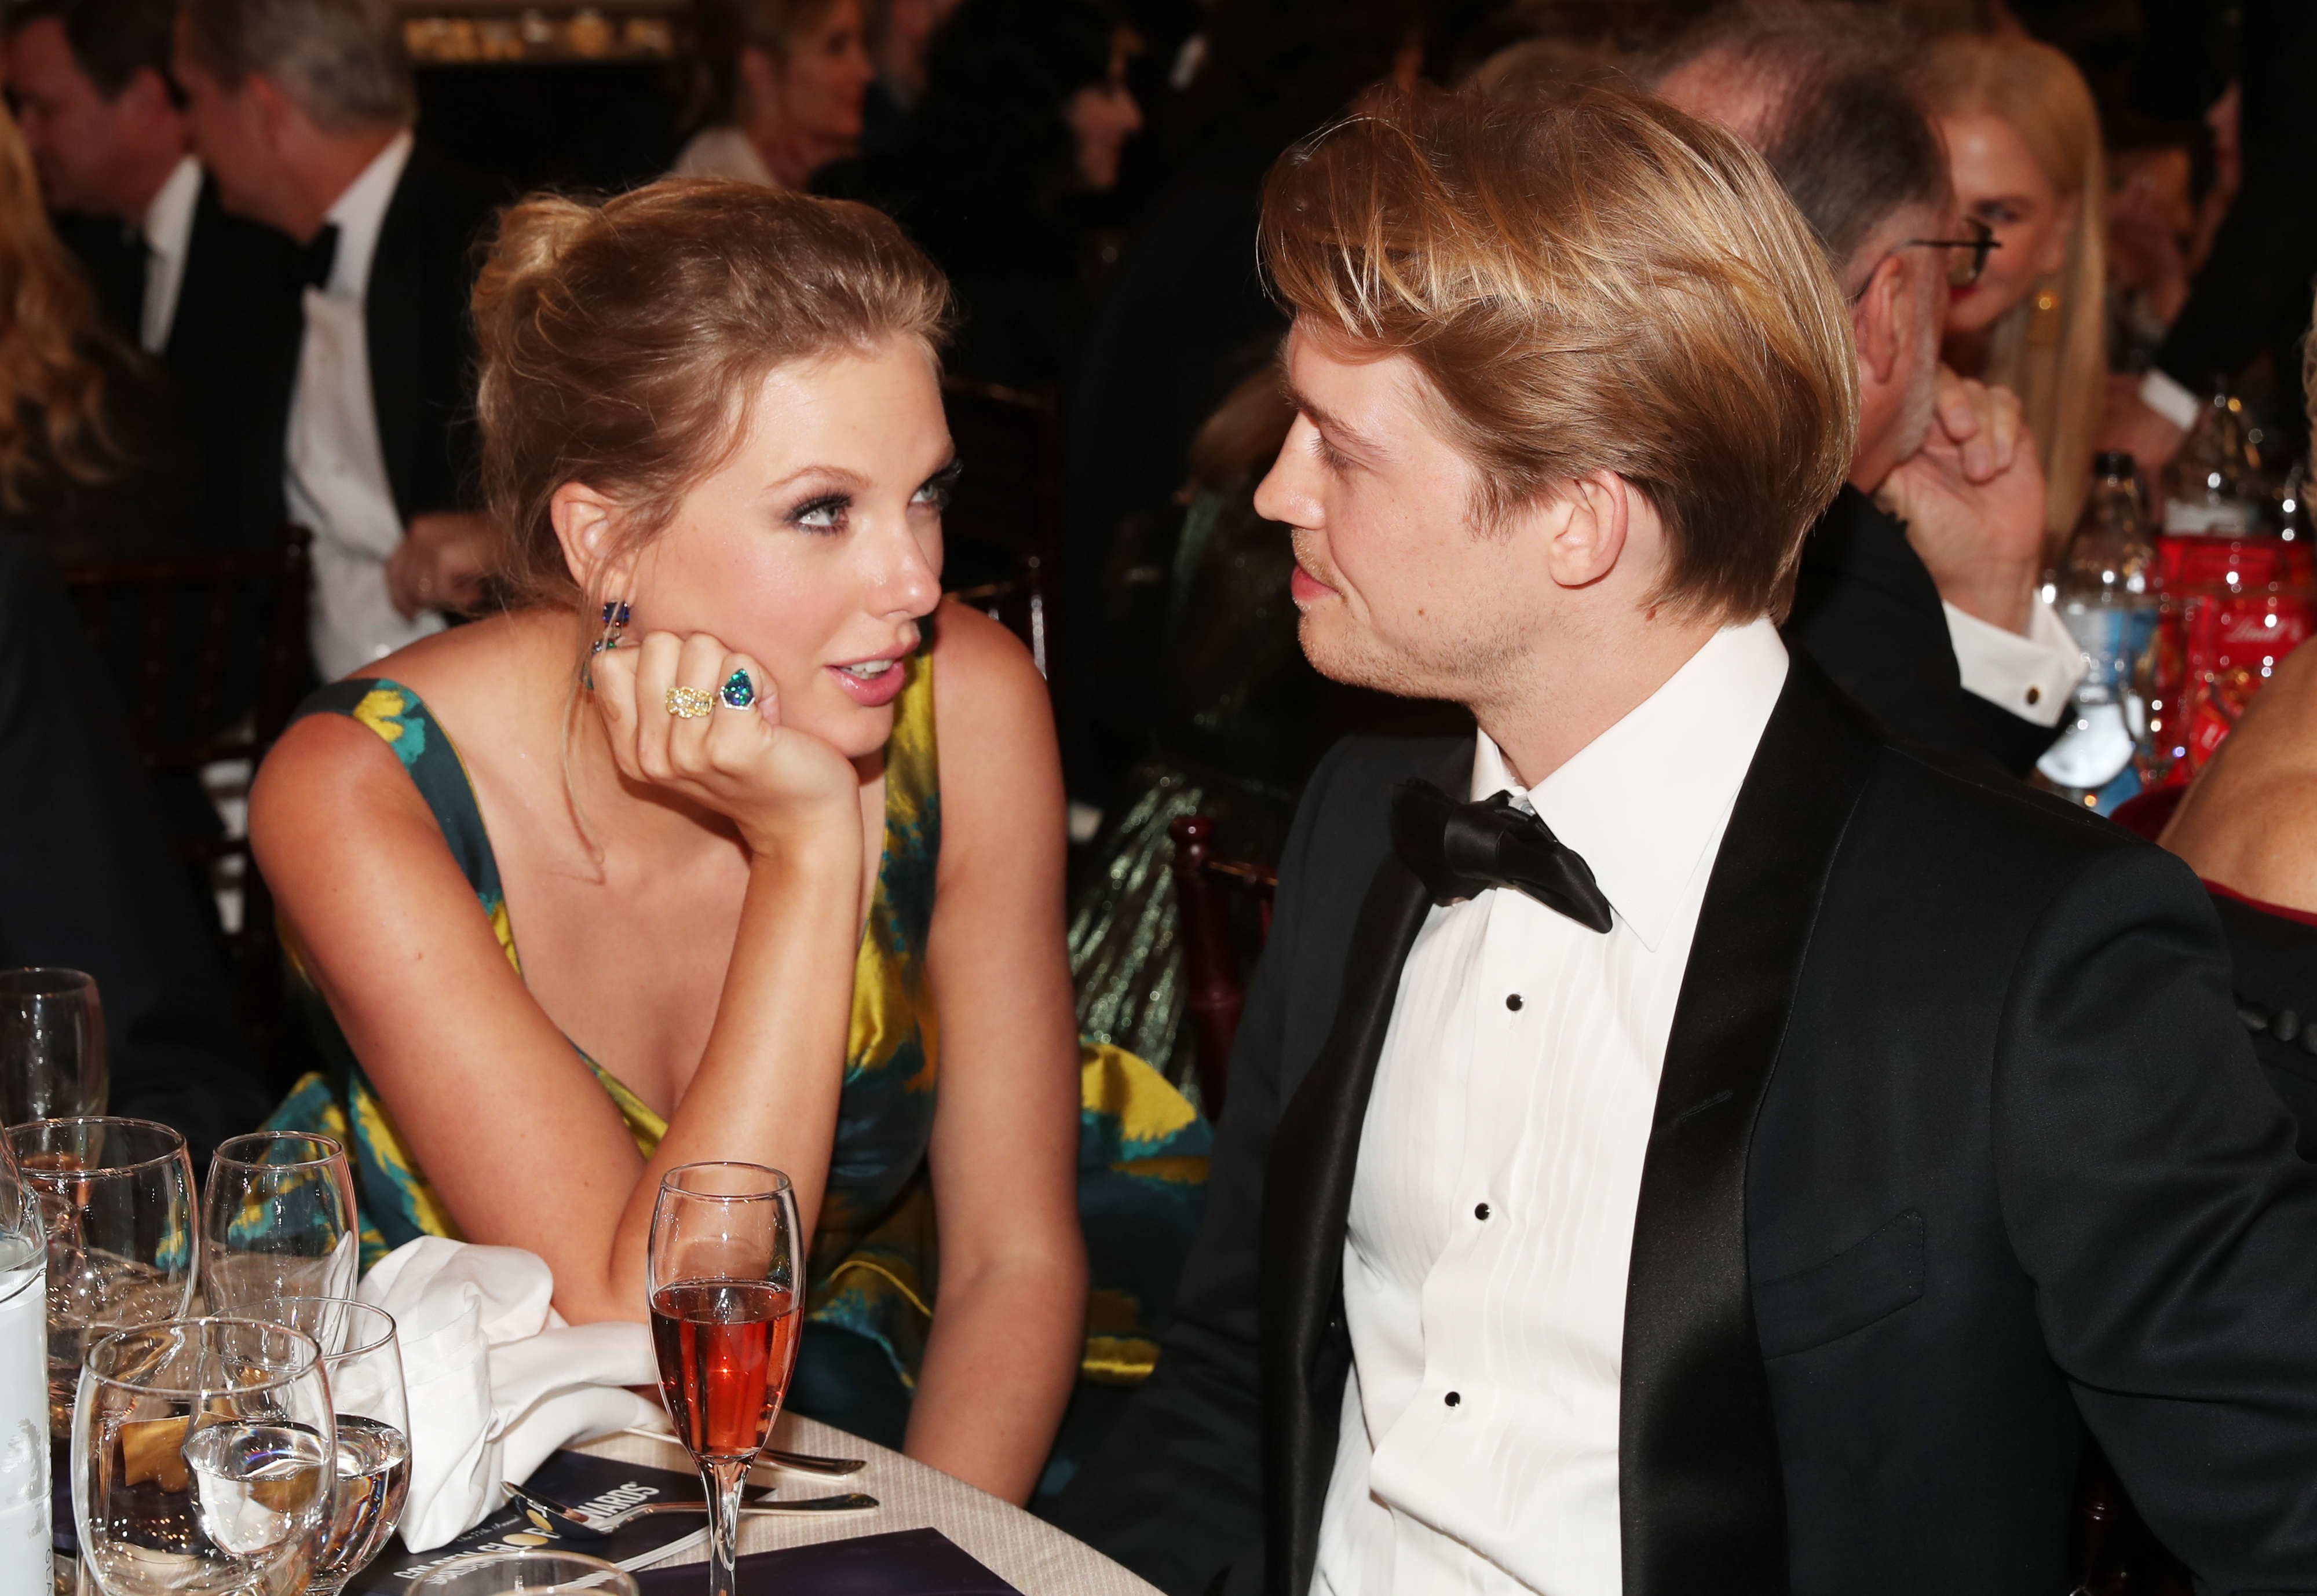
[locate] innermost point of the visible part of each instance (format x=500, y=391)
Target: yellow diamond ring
x=690, y=703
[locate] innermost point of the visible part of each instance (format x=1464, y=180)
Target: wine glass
x=536, y=1572
x=25, y=1528
x=727, y=1281
x=364, y=1360
x=200, y=1457
x=116, y=1196
x=51, y=1046
x=278, y=1220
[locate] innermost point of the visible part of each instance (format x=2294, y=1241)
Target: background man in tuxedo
x=178, y=277
x=303, y=109
x=1732, y=1152
x=1918, y=586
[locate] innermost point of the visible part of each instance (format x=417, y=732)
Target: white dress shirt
x=1492, y=1222
x=168, y=239
x=2032, y=676
x=334, y=468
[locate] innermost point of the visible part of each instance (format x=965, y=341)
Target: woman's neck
x=791, y=155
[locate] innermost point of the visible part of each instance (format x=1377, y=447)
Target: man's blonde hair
x=1598, y=284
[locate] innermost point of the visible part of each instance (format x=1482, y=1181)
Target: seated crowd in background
x=250, y=292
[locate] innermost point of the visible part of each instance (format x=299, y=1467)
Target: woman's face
x=1103, y=116
x=826, y=77
x=817, y=548
x=1999, y=182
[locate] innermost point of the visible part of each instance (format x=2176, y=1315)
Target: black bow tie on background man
x=318, y=256
x=1460, y=850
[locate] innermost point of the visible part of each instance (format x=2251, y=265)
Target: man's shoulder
x=1855, y=539
x=1354, y=782
x=439, y=197
x=1987, y=831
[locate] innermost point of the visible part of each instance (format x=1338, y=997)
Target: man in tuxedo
x=177, y=276
x=1680, y=1141
x=1917, y=586
x=303, y=109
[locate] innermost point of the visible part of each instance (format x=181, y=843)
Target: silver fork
x=556, y=1519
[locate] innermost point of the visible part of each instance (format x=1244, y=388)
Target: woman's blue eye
x=820, y=515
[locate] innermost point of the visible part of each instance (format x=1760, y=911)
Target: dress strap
x=431, y=761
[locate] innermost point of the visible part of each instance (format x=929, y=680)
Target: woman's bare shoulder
x=984, y=678
x=1001, y=773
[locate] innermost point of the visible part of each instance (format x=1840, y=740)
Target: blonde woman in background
x=783, y=83
x=2024, y=143
x=96, y=457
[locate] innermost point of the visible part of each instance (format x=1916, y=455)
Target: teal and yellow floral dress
x=1142, y=1148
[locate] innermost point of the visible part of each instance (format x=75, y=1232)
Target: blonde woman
x=2023, y=141
x=784, y=84
x=94, y=460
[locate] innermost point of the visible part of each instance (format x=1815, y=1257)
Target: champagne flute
x=116, y=1196
x=727, y=1280
x=278, y=1220
x=51, y=1046
x=364, y=1360
x=535, y=1572
x=202, y=1459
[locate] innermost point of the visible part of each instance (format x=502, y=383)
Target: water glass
x=532, y=1573
x=116, y=1196
x=726, y=1274
x=51, y=1046
x=364, y=1360
x=278, y=1220
x=202, y=1459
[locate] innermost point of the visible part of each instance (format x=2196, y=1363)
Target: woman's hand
x=773, y=781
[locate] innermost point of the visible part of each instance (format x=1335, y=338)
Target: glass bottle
x=2213, y=485
x=26, y=1547
x=2105, y=590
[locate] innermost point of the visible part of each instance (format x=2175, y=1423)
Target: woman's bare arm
x=1011, y=1315
x=497, y=1107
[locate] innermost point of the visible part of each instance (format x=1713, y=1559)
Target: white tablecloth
x=1029, y=1554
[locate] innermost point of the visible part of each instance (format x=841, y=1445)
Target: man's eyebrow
x=1340, y=432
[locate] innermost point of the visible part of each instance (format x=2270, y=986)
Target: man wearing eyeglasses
x=1917, y=591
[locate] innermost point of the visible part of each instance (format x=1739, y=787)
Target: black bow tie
x=1462, y=849
x=315, y=261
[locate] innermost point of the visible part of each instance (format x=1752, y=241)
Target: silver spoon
x=556, y=1519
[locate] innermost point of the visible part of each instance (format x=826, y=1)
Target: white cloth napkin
x=496, y=1379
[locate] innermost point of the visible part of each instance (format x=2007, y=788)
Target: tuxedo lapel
x=1307, y=1201
x=1701, y=1495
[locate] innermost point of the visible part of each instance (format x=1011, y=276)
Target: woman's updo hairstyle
x=622, y=343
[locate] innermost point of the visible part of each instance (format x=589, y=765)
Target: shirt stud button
x=2034, y=695
x=1451, y=1399
x=1513, y=1002
x=1481, y=1210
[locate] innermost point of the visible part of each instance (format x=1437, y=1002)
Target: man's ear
x=277, y=115
x=1877, y=318
x=1594, y=516
x=585, y=522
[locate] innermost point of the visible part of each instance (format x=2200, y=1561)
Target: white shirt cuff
x=2168, y=400
x=2031, y=676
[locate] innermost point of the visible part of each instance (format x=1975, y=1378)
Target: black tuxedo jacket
x=90, y=877
x=1865, y=608
x=245, y=322
x=1960, y=1147
x=232, y=351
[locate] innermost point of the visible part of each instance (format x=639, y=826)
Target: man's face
x=1399, y=589
x=86, y=147
x=228, y=135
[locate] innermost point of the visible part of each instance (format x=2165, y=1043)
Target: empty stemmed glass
x=727, y=1279
x=202, y=1459
x=538, y=1571
x=24, y=1529
x=51, y=1046
x=278, y=1220
x=116, y=1196
x=364, y=1360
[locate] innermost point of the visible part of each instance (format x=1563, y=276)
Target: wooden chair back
x=1004, y=528
x=210, y=653
x=1214, y=988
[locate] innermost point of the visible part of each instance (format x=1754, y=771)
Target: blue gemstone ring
x=738, y=690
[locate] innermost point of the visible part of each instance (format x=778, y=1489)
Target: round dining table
x=1027, y=1553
